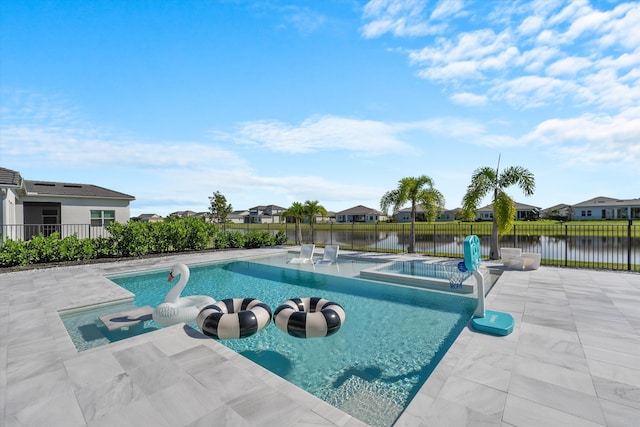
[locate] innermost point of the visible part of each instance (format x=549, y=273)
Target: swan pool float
x=176, y=310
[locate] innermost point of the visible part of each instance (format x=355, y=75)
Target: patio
x=573, y=359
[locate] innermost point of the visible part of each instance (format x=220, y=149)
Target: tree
x=296, y=211
x=312, y=209
x=487, y=180
x=418, y=191
x=219, y=210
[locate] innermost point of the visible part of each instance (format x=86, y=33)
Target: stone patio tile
x=618, y=415
x=563, y=399
x=558, y=375
x=526, y=413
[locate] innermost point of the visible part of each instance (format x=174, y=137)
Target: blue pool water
x=392, y=339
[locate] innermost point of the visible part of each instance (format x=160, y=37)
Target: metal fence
x=28, y=231
x=612, y=246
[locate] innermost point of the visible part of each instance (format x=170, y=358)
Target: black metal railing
x=28, y=231
x=612, y=246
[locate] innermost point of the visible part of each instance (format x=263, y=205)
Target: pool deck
x=572, y=360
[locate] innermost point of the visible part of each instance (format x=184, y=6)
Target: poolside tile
x=618, y=415
x=445, y=413
x=92, y=368
x=266, y=406
x=553, y=351
x=184, y=401
x=474, y=396
x=626, y=360
x=60, y=409
x=138, y=413
x=221, y=416
x=526, y=413
x=563, y=399
x=488, y=368
x=621, y=393
x=138, y=355
x=558, y=375
x=617, y=373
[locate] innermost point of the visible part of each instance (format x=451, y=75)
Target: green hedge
x=131, y=240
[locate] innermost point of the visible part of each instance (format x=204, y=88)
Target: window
x=102, y=218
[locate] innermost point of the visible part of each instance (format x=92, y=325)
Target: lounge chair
x=531, y=260
x=512, y=258
x=330, y=255
x=306, y=255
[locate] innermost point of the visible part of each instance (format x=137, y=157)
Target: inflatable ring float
x=309, y=317
x=234, y=318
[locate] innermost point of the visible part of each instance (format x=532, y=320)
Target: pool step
x=367, y=401
x=127, y=318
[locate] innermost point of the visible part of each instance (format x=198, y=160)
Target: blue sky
x=273, y=102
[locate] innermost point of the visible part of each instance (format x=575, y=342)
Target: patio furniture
x=306, y=255
x=330, y=255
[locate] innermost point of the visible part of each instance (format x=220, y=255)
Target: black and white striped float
x=234, y=318
x=309, y=317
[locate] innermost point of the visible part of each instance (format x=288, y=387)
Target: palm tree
x=485, y=180
x=296, y=211
x=313, y=208
x=417, y=191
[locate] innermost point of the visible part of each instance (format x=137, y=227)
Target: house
x=238, y=217
x=266, y=214
x=330, y=217
x=183, y=214
x=606, y=208
x=449, y=215
x=404, y=215
x=524, y=212
x=147, y=218
x=360, y=214
x=560, y=212
x=30, y=208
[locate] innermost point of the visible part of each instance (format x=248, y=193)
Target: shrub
x=258, y=239
x=281, y=238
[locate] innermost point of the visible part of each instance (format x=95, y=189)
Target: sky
x=275, y=102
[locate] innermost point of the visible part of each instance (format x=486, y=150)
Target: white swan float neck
x=176, y=309
x=174, y=294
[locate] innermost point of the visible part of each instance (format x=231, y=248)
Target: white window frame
x=101, y=218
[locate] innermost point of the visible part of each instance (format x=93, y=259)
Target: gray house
x=404, y=215
x=28, y=208
x=523, y=212
x=360, y=214
x=265, y=214
x=607, y=208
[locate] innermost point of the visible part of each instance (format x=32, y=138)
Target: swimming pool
x=371, y=368
x=427, y=275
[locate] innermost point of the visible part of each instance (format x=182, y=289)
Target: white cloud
x=531, y=91
x=568, y=66
x=469, y=99
x=540, y=54
x=530, y=25
x=446, y=9
x=323, y=133
x=592, y=138
x=398, y=17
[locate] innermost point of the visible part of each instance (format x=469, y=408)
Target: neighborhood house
x=30, y=208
